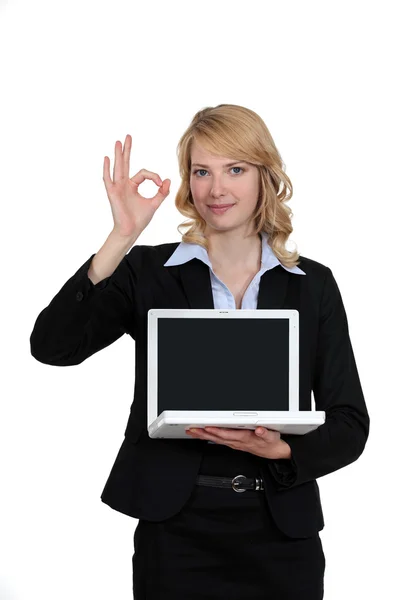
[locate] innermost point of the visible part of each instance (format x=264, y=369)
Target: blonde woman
x=199, y=534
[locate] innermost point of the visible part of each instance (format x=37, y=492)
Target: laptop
x=224, y=368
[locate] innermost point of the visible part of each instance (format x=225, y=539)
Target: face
x=216, y=180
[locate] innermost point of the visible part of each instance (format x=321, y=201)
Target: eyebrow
x=227, y=165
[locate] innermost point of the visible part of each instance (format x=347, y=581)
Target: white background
x=75, y=77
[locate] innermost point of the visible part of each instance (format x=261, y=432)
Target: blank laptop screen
x=223, y=364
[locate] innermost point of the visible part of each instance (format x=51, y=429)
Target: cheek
x=200, y=197
x=249, y=195
x=198, y=190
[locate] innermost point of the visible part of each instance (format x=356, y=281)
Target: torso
x=237, y=283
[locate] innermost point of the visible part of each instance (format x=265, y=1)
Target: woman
x=201, y=532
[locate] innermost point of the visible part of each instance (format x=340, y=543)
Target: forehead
x=200, y=155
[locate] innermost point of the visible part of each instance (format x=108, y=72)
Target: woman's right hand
x=131, y=211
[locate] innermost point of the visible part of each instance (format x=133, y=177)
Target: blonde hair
x=239, y=133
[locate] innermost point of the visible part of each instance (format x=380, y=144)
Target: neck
x=231, y=252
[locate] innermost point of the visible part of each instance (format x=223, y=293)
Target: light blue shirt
x=223, y=297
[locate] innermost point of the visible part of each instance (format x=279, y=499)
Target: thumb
x=165, y=186
x=260, y=431
x=163, y=192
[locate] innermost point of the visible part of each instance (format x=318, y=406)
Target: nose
x=217, y=188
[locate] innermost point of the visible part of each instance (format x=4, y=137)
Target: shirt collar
x=185, y=252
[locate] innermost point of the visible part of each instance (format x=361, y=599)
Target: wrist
x=120, y=244
x=285, y=450
x=127, y=240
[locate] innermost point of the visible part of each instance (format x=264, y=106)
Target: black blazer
x=152, y=478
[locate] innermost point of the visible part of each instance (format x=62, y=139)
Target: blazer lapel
x=196, y=281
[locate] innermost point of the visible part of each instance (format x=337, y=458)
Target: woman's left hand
x=267, y=445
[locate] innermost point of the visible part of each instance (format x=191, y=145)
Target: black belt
x=245, y=483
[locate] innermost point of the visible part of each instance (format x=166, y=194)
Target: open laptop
x=224, y=368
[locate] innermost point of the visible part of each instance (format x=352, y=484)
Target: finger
x=226, y=433
x=144, y=174
x=162, y=192
x=106, y=173
x=260, y=430
x=269, y=435
x=117, y=171
x=127, y=155
x=164, y=186
x=200, y=434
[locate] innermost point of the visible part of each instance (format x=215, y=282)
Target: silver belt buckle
x=235, y=482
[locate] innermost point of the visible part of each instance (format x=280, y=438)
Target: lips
x=219, y=205
x=221, y=209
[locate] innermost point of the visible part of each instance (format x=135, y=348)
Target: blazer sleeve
x=84, y=318
x=337, y=391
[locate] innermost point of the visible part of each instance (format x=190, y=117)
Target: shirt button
x=79, y=296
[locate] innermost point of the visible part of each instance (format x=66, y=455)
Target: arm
x=109, y=257
x=94, y=307
x=337, y=390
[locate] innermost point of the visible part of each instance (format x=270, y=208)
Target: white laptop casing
x=173, y=423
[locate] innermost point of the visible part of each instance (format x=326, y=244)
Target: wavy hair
x=239, y=133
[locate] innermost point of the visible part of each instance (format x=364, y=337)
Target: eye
x=198, y=170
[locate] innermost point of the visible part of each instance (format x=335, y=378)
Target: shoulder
x=315, y=269
x=319, y=279
x=141, y=254
x=323, y=284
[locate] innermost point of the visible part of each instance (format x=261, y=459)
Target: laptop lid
x=222, y=360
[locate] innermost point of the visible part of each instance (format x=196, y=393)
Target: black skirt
x=225, y=544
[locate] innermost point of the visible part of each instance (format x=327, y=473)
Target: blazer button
x=79, y=296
